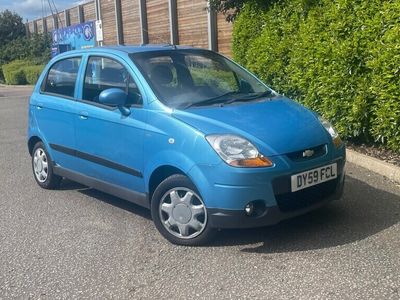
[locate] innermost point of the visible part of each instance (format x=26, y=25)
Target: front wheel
x=179, y=213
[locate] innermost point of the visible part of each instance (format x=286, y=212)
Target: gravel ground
x=80, y=243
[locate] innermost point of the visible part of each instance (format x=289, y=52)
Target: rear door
x=55, y=109
x=110, y=144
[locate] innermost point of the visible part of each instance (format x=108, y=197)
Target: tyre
x=42, y=167
x=179, y=213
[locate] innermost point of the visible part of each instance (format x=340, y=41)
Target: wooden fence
x=184, y=22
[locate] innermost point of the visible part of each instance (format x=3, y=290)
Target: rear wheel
x=179, y=213
x=43, y=168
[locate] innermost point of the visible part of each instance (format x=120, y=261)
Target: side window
x=104, y=73
x=61, y=78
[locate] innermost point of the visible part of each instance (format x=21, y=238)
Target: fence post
x=212, y=30
x=81, y=17
x=44, y=23
x=55, y=21
x=35, y=30
x=143, y=21
x=67, y=18
x=173, y=22
x=118, y=22
x=27, y=31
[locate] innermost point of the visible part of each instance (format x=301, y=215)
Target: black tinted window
x=61, y=78
x=103, y=73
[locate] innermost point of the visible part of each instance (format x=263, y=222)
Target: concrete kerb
x=22, y=86
x=373, y=164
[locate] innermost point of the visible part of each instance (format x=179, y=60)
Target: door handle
x=39, y=106
x=83, y=115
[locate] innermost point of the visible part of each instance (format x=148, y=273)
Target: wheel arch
x=33, y=140
x=160, y=174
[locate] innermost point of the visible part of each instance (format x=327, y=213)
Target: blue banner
x=73, y=37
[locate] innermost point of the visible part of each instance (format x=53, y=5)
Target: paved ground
x=80, y=243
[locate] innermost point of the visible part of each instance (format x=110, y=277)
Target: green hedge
x=17, y=77
x=21, y=72
x=32, y=73
x=13, y=72
x=341, y=58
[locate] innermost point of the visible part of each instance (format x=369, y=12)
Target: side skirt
x=115, y=190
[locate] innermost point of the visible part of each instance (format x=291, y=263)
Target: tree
x=231, y=8
x=36, y=48
x=11, y=26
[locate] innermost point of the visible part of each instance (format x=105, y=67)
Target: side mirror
x=115, y=97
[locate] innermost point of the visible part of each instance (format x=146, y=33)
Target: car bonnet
x=275, y=126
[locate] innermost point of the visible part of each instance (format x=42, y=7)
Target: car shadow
x=106, y=198
x=362, y=212
x=69, y=185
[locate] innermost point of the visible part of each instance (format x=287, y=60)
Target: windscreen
x=184, y=78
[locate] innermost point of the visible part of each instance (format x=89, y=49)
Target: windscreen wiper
x=213, y=100
x=254, y=96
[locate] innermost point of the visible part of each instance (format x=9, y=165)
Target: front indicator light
x=260, y=161
x=337, y=141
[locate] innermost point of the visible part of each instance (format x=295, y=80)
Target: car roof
x=131, y=48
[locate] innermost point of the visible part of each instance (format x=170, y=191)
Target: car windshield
x=192, y=77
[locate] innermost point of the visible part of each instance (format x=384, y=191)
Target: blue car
x=185, y=132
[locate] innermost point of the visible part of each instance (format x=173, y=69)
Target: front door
x=109, y=143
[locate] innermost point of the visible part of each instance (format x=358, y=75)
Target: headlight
x=332, y=131
x=237, y=151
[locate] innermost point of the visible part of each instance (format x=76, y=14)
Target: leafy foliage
x=35, y=48
x=11, y=26
x=341, y=58
x=14, y=73
x=14, y=45
x=21, y=72
x=232, y=8
x=32, y=73
x=384, y=63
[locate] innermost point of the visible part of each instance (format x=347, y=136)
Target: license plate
x=313, y=177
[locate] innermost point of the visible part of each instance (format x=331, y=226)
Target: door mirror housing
x=113, y=97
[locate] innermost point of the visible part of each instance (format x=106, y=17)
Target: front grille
x=304, y=198
x=298, y=156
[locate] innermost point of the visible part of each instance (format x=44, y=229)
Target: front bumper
x=222, y=218
x=226, y=190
